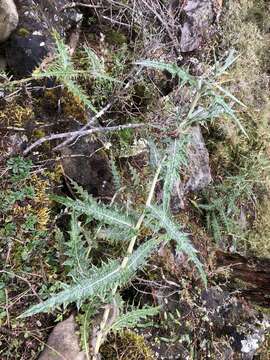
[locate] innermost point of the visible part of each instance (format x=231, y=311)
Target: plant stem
x=103, y=331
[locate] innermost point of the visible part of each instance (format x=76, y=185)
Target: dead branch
x=79, y=133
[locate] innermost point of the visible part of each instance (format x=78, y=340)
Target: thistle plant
x=102, y=285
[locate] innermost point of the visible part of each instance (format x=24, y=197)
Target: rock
x=198, y=17
x=8, y=18
x=86, y=163
x=198, y=174
x=63, y=343
x=235, y=319
x=198, y=162
x=33, y=41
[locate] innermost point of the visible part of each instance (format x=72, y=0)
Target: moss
x=42, y=202
x=231, y=152
x=73, y=107
x=128, y=345
x=70, y=106
x=259, y=238
x=23, y=32
x=26, y=215
x=264, y=352
x=55, y=175
x=38, y=134
x=242, y=32
x=16, y=115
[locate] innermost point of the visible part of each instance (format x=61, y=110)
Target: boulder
x=8, y=18
x=198, y=162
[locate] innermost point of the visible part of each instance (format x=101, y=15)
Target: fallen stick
x=79, y=133
x=84, y=128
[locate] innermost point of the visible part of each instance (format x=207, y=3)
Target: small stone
x=63, y=343
x=8, y=18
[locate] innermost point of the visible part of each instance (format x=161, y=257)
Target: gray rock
x=198, y=174
x=199, y=16
x=63, y=343
x=245, y=327
x=8, y=18
x=198, y=160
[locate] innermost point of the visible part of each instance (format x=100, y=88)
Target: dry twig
x=79, y=133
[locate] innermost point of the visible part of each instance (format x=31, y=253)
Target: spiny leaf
x=76, y=251
x=183, y=243
x=100, y=283
x=95, y=64
x=115, y=174
x=230, y=59
x=229, y=111
x=97, y=211
x=154, y=154
x=133, y=318
x=115, y=234
x=173, y=69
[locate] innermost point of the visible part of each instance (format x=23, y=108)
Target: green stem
x=102, y=332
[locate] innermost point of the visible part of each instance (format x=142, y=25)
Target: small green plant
x=62, y=68
x=19, y=167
